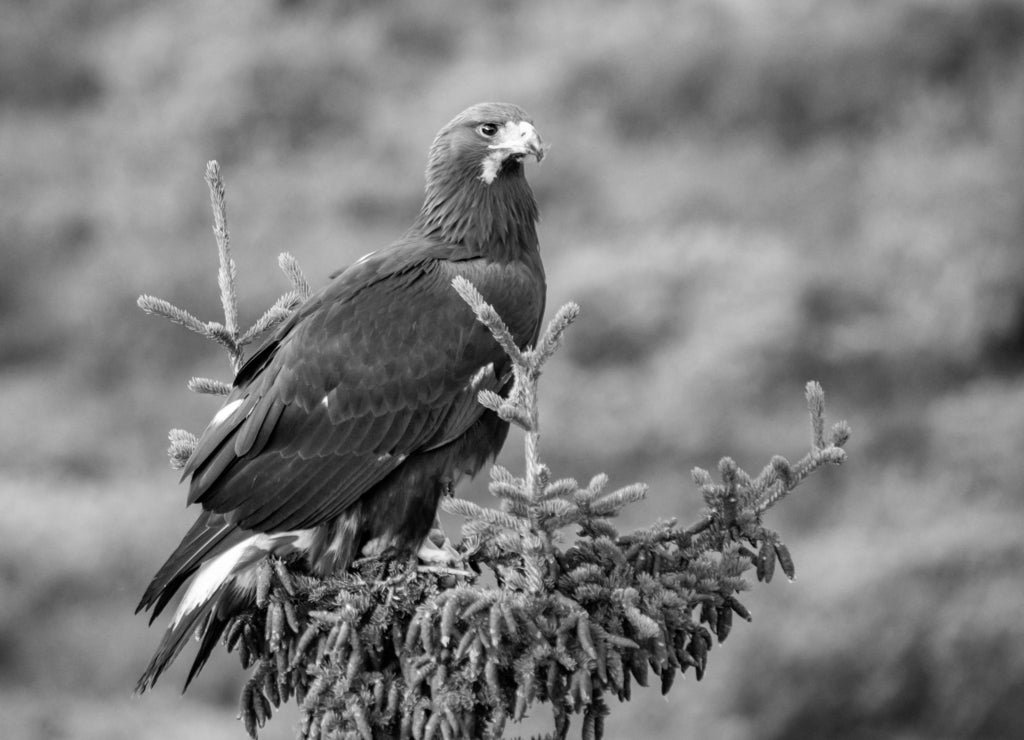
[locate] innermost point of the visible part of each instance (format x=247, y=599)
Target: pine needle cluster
x=550, y=605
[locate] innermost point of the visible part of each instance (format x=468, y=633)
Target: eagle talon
x=438, y=554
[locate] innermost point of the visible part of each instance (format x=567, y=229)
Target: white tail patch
x=210, y=577
x=226, y=411
x=214, y=573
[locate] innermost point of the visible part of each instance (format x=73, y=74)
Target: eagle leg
x=438, y=554
x=437, y=549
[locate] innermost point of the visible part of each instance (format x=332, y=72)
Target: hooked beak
x=519, y=139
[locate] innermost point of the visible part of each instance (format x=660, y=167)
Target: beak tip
x=539, y=150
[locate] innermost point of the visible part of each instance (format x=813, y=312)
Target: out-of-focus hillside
x=741, y=195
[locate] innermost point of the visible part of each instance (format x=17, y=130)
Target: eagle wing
x=384, y=362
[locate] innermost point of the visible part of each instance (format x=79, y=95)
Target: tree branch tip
x=834, y=455
x=728, y=468
x=815, y=394
x=840, y=433
x=154, y=305
x=290, y=267
x=569, y=311
x=491, y=400
x=700, y=476
x=208, y=386
x=468, y=291
x=513, y=414
x=212, y=171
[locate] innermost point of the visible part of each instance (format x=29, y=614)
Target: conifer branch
x=227, y=275
x=487, y=316
x=273, y=316
x=290, y=267
x=183, y=444
x=160, y=307
x=209, y=386
x=226, y=334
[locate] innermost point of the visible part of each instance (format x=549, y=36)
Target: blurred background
x=741, y=195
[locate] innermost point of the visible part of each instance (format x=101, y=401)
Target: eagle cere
x=345, y=427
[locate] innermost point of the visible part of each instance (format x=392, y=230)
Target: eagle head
x=487, y=141
x=476, y=189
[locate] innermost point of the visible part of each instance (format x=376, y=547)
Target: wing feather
x=267, y=473
x=325, y=479
x=307, y=435
x=267, y=428
x=259, y=423
x=321, y=500
x=215, y=465
x=392, y=438
x=376, y=430
x=218, y=430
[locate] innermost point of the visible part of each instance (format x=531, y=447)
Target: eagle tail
x=209, y=535
x=203, y=621
x=223, y=570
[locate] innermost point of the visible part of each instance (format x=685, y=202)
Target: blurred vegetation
x=741, y=196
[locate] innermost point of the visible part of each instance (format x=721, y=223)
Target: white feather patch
x=492, y=165
x=210, y=577
x=226, y=411
x=479, y=375
x=213, y=574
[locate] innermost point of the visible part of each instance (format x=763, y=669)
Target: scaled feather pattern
x=345, y=427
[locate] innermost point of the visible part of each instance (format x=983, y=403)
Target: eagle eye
x=487, y=130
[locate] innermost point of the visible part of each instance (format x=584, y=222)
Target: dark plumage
x=346, y=426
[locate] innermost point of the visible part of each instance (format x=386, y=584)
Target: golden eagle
x=343, y=430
